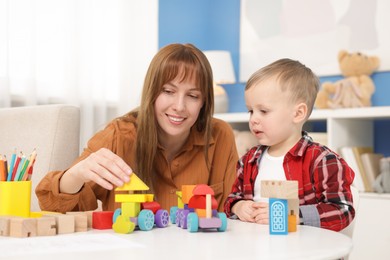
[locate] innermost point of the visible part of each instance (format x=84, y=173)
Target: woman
x=170, y=140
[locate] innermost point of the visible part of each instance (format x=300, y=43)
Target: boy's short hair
x=293, y=76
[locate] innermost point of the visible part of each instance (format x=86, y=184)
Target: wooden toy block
x=50, y=213
x=89, y=217
x=83, y=213
x=36, y=214
x=130, y=214
x=4, y=226
x=209, y=222
x=202, y=189
x=80, y=221
x=186, y=191
x=102, y=219
x=123, y=225
x=153, y=206
x=279, y=189
x=293, y=205
x=199, y=202
x=130, y=209
x=133, y=197
x=23, y=227
x=65, y=223
x=201, y=212
x=180, y=203
x=46, y=226
x=208, y=205
x=278, y=224
x=292, y=221
x=135, y=183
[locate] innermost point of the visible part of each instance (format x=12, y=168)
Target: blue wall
x=215, y=25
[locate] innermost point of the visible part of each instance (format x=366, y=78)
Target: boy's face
x=272, y=116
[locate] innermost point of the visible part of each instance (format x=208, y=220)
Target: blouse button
x=172, y=191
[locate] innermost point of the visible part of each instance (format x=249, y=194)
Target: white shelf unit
x=351, y=127
x=345, y=127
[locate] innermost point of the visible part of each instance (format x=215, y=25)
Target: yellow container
x=15, y=198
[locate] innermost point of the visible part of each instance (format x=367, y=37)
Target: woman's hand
x=102, y=167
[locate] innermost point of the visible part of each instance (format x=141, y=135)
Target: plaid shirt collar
x=296, y=151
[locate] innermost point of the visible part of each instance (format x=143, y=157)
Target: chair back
x=53, y=130
x=355, y=196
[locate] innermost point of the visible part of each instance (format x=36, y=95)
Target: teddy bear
x=245, y=140
x=356, y=88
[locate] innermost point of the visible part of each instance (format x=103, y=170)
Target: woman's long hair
x=187, y=62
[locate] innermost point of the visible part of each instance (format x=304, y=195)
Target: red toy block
x=153, y=206
x=202, y=189
x=199, y=202
x=102, y=219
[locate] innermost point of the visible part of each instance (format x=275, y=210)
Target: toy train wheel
x=223, y=218
x=172, y=214
x=146, y=220
x=192, y=222
x=183, y=218
x=179, y=215
x=161, y=218
x=117, y=213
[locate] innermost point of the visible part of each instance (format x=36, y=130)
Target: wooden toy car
x=137, y=210
x=197, y=208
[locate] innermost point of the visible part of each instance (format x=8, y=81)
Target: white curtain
x=92, y=53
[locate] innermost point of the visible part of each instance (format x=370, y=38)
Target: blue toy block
x=278, y=212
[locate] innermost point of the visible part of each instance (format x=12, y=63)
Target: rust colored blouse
x=188, y=167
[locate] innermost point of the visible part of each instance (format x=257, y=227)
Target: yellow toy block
x=135, y=183
x=134, y=197
x=36, y=214
x=123, y=225
x=130, y=209
x=187, y=193
x=180, y=203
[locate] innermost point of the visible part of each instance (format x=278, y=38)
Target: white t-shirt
x=271, y=168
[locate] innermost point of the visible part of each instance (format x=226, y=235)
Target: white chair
x=355, y=196
x=54, y=130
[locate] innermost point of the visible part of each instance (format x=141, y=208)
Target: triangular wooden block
x=135, y=183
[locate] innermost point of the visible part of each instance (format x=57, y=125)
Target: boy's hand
x=260, y=212
x=244, y=210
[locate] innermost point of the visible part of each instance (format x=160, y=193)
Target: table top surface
x=240, y=241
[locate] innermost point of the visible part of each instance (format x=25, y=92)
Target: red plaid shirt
x=324, y=180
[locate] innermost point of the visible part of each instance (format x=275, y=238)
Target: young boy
x=280, y=99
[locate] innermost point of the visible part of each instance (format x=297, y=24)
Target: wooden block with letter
x=279, y=189
x=46, y=226
x=284, y=194
x=80, y=220
x=23, y=227
x=4, y=226
x=65, y=223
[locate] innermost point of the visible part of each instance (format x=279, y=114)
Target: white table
x=240, y=241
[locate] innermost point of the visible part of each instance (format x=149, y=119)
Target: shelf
x=375, y=195
x=322, y=114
